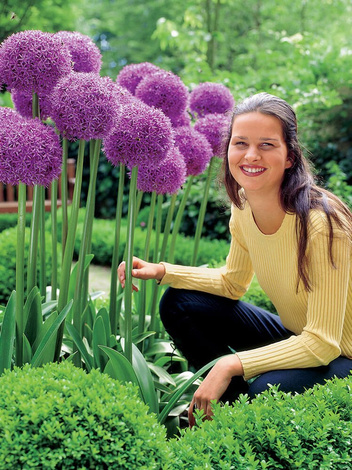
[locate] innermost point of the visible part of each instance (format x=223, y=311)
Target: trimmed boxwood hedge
x=275, y=431
x=59, y=417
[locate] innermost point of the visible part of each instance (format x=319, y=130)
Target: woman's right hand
x=141, y=270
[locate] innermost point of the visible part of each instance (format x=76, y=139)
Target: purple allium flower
x=86, y=55
x=23, y=104
x=214, y=127
x=183, y=120
x=84, y=106
x=30, y=151
x=7, y=114
x=165, y=91
x=130, y=76
x=33, y=61
x=211, y=98
x=141, y=134
x=195, y=149
x=168, y=177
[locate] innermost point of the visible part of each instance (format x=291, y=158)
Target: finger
x=191, y=420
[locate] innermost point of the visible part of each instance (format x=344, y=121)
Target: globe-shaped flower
x=141, y=134
x=33, y=61
x=214, y=127
x=23, y=104
x=30, y=151
x=195, y=149
x=84, y=106
x=211, y=98
x=85, y=54
x=165, y=91
x=182, y=120
x=130, y=76
x=167, y=178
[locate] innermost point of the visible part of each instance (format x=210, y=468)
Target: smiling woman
x=296, y=238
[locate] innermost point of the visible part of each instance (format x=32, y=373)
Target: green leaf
x=99, y=339
x=162, y=374
x=50, y=349
x=145, y=379
x=80, y=346
x=8, y=332
x=73, y=275
x=33, y=315
x=119, y=367
x=39, y=356
x=27, y=350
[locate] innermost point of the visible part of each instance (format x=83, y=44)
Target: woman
x=296, y=238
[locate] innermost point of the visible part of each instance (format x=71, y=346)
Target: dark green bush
x=8, y=260
x=10, y=220
x=274, y=431
x=59, y=417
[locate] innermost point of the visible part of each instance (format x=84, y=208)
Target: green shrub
x=8, y=240
x=10, y=220
x=60, y=417
x=274, y=431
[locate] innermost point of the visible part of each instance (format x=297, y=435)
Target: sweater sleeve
x=231, y=280
x=319, y=342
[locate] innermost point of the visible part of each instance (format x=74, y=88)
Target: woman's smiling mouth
x=252, y=171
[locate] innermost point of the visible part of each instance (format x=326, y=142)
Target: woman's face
x=257, y=153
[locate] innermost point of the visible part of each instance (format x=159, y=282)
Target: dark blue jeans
x=205, y=326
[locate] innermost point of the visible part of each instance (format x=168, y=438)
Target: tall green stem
x=143, y=290
x=21, y=224
x=64, y=193
x=129, y=264
x=54, y=186
x=202, y=210
x=113, y=311
x=42, y=272
x=178, y=219
x=79, y=301
x=167, y=227
x=69, y=248
x=33, y=241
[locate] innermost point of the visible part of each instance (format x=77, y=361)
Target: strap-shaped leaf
x=33, y=315
x=8, y=332
x=99, y=339
x=80, y=346
x=119, y=367
x=40, y=352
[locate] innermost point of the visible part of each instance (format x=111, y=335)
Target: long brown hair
x=299, y=192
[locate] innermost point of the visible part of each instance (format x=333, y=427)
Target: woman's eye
x=267, y=144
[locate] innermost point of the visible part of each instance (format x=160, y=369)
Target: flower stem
x=113, y=311
x=42, y=276
x=64, y=195
x=129, y=263
x=69, y=248
x=143, y=288
x=21, y=224
x=167, y=227
x=54, y=187
x=33, y=241
x=178, y=219
x=201, y=214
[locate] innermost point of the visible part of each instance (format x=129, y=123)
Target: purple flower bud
x=23, y=104
x=195, y=149
x=165, y=91
x=167, y=178
x=85, y=54
x=214, y=127
x=84, y=106
x=211, y=98
x=30, y=151
x=141, y=134
x=33, y=61
x=130, y=76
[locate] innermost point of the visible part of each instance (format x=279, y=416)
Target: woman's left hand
x=215, y=385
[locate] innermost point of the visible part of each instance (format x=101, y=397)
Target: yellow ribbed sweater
x=321, y=320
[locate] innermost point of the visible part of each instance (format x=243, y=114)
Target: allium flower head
x=130, y=76
x=30, y=152
x=6, y=115
x=84, y=106
x=195, y=149
x=86, y=55
x=182, y=120
x=214, y=127
x=23, y=104
x=211, y=98
x=167, y=178
x=33, y=61
x=141, y=134
x=165, y=91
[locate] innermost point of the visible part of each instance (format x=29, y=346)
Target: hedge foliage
x=59, y=417
x=275, y=431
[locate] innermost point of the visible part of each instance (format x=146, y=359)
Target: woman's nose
x=252, y=155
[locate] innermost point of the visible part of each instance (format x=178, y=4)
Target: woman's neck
x=267, y=212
